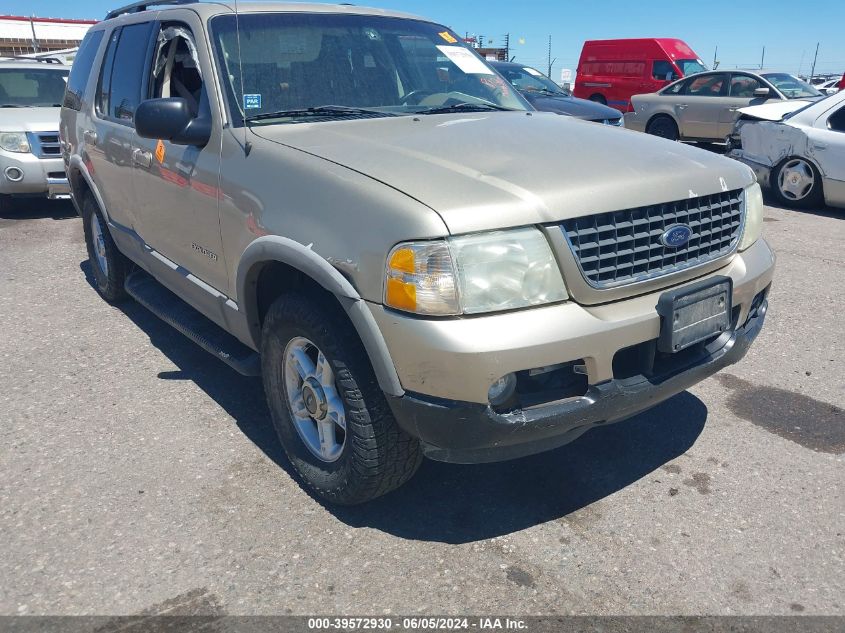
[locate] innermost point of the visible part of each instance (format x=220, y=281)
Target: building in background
x=21, y=35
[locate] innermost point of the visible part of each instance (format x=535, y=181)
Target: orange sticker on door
x=160, y=151
x=448, y=37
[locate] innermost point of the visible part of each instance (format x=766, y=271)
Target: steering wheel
x=418, y=95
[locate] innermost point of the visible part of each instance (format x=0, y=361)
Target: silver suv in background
x=356, y=206
x=31, y=94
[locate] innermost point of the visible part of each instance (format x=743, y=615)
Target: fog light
x=14, y=174
x=502, y=390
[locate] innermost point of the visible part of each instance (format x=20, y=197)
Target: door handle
x=819, y=146
x=142, y=158
x=733, y=109
x=90, y=137
x=683, y=106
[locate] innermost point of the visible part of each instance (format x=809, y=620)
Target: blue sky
x=789, y=29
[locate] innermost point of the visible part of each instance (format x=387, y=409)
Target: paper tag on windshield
x=531, y=71
x=465, y=59
x=448, y=37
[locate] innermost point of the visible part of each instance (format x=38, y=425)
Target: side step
x=202, y=331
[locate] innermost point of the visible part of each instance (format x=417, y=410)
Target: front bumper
x=463, y=432
x=37, y=176
x=762, y=170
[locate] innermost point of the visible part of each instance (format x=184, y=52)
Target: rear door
x=697, y=111
x=109, y=144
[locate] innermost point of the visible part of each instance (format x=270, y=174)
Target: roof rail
x=137, y=7
x=43, y=60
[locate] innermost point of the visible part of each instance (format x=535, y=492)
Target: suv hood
x=29, y=119
x=483, y=171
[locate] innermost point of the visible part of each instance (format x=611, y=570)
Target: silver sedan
x=704, y=107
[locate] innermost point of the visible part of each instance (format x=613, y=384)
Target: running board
x=201, y=330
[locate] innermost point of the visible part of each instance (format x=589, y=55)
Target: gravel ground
x=140, y=475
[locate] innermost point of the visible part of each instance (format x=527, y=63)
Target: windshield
x=691, y=66
x=791, y=87
x=31, y=87
x=294, y=65
x=529, y=79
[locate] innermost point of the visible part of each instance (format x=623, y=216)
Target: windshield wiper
x=465, y=107
x=317, y=111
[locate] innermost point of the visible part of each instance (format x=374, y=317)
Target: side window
x=706, y=86
x=176, y=68
x=744, y=85
x=121, y=86
x=676, y=88
x=663, y=71
x=836, y=121
x=101, y=103
x=81, y=69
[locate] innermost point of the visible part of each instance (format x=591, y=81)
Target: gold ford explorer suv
x=357, y=207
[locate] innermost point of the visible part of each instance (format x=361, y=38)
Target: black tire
x=597, y=98
x=664, y=127
x=109, y=282
x=5, y=203
x=814, y=196
x=377, y=456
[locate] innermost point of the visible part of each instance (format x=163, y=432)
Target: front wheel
x=107, y=262
x=330, y=415
x=797, y=182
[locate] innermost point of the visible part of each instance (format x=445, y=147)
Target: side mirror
x=171, y=120
x=762, y=93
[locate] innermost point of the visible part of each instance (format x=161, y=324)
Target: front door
x=740, y=95
x=826, y=143
x=176, y=186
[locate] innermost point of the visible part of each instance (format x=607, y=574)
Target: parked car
x=705, y=107
x=545, y=95
x=31, y=164
x=829, y=87
x=612, y=71
x=354, y=205
x=799, y=155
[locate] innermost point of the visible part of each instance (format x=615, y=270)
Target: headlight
x=753, y=217
x=473, y=274
x=14, y=142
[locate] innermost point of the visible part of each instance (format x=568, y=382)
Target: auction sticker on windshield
x=465, y=60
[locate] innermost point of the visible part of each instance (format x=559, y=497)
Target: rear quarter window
x=81, y=70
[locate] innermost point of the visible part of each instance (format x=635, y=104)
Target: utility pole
x=35, y=47
x=763, y=58
x=815, y=58
x=507, y=46
x=716, y=57
x=549, y=74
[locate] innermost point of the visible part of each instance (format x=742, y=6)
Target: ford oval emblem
x=676, y=236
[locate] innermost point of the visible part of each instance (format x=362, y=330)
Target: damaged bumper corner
x=464, y=432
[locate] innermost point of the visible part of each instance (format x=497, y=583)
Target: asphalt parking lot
x=140, y=475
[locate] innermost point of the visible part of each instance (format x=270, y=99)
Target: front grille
x=622, y=247
x=45, y=144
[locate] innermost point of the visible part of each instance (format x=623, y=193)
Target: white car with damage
x=798, y=153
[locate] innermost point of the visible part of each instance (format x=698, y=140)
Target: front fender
x=274, y=248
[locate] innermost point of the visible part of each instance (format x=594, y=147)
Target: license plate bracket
x=694, y=313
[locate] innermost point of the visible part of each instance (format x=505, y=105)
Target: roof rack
x=45, y=60
x=137, y=7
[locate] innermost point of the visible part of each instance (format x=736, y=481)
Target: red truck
x=612, y=71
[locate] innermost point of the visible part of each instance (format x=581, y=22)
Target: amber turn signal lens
x=401, y=295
